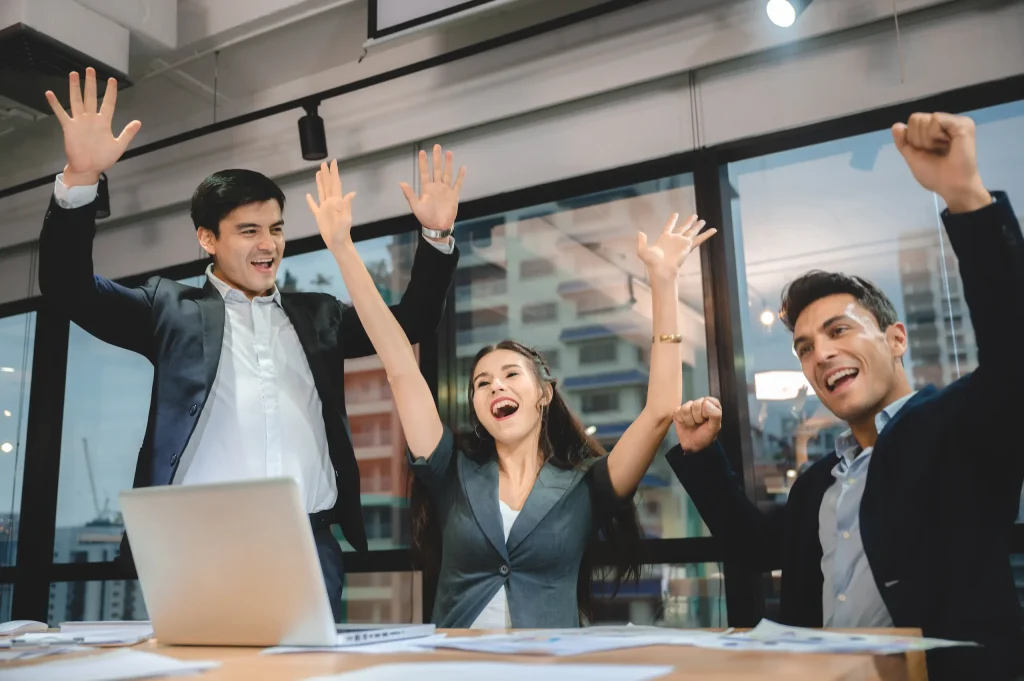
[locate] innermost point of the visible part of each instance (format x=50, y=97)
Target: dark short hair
x=226, y=190
x=817, y=284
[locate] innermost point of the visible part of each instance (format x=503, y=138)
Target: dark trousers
x=332, y=564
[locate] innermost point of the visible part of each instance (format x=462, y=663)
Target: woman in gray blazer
x=515, y=508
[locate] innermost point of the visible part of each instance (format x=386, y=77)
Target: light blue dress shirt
x=850, y=597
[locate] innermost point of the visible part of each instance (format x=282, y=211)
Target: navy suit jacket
x=943, y=489
x=180, y=329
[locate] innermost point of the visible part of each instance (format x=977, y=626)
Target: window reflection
x=17, y=342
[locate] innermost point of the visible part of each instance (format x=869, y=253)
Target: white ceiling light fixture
x=784, y=13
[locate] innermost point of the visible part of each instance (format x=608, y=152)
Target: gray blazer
x=540, y=563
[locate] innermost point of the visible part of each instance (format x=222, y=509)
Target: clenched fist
x=697, y=423
x=940, y=150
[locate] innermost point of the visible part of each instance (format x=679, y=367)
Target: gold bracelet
x=667, y=338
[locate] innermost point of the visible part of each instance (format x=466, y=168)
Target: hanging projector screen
x=393, y=16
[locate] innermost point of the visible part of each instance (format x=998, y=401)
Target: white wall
x=598, y=95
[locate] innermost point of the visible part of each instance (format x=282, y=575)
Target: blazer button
x=192, y=410
x=174, y=459
x=503, y=570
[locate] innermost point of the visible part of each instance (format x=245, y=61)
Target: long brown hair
x=564, y=443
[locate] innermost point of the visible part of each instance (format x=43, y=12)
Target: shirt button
x=846, y=535
x=841, y=598
x=192, y=410
x=503, y=570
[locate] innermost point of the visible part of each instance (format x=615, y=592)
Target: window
x=540, y=312
x=95, y=601
x=592, y=239
x=688, y=596
x=598, y=402
x=849, y=205
x=592, y=352
x=107, y=405
x=532, y=268
x=383, y=598
x=17, y=340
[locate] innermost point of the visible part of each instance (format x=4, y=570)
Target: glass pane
x=95, y=601
x=564, y=278
x=690, y=596
x=383, y=597
x=850, y=205
x=17, y=342
x=106, y=404
x=1017, y=564
x=6, y=599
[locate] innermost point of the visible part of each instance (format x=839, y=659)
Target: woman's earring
x=479, y=435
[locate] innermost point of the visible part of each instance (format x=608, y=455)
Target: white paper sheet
x=500, y=671
x=413, y=645
x=565, y=642
x=120, y=665
x=109, y=637
x=770, y=635
x=22, y=654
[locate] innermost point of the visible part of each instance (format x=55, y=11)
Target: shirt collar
x=846, y=444
x=230, y=293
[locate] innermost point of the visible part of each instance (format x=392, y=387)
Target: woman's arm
x=415, y=404
x=632, y=455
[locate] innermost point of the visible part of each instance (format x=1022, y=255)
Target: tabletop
x=689, y=663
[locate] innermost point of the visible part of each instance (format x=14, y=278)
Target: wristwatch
x=438, y=233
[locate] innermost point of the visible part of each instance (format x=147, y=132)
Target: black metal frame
x=35, y=570
x=373, y=32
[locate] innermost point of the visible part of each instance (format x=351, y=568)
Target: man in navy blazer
x=908, y=523
x=248, y=380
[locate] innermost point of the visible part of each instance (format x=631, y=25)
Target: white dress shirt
x=263, y=417
x=496, y=614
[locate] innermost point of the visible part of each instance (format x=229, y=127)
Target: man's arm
x=433, y=269
x=941, y=152
x=109, y=311
x=699, y=463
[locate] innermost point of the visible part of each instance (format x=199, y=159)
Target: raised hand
x=672, y=246
x=334, y=212
x=90, y=145
x=940, y=150
x=438, y=202
x=697, y=423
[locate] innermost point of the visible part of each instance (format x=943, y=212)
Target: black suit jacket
x=943, y=489
x=180, y=330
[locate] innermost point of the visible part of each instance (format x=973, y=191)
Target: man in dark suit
x=908, y=523
x=248, y=381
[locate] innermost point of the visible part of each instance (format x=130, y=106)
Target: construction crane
x=100, y=514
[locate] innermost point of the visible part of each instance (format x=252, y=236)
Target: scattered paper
x=22, y=654
x=500, y=671
x=415, y=645
x=565, y=642
x=770, y=635
x=120, y=665
x=108, y=625
x=95, y=638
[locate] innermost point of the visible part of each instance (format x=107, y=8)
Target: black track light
x=785, y=12
x=312, y=136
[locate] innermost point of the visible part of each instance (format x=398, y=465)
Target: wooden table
x=246, y=664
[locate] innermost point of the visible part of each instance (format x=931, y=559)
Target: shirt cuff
x=446, y=247
x=74, y=197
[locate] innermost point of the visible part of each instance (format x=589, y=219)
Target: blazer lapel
x=552, y=484
x=305, y=328
x=211, y=308
x=480, y=485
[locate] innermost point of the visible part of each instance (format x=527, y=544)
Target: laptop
x=234, y=564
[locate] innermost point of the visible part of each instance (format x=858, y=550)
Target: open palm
x=89, y=143
x=334, y=211
x=438, y=202
x=673, y=244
